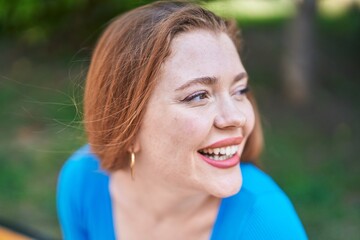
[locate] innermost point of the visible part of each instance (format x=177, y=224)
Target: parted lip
x=226, y=142
x=231, y=162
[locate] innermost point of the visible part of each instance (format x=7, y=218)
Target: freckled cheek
x=250, y=119
x=189, y=130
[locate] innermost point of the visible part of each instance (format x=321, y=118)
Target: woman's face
x=198, y=117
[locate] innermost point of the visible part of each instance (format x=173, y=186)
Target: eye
x=241, y=93
x=196, y=97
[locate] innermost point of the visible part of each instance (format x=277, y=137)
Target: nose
x=229, y=115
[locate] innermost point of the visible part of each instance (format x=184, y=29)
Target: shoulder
x=83, y=160
x=81, y=181
x=81, y=167
x=261, y=209
x=81, y=170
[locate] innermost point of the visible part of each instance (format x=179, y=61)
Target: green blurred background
x=303, y=58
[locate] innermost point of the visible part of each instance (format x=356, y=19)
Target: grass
x=39, y=130
x=318, y=173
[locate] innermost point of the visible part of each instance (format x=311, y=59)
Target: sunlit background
x=303, y=58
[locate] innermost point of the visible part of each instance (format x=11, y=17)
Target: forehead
x=201, y=53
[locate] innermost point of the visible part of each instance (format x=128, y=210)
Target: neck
x=159, y=200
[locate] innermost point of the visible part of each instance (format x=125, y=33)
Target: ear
x=134, y=147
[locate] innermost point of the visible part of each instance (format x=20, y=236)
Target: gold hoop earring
x=132, y=165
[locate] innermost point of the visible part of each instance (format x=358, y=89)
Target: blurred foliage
x=254, y=12
x=36, y=22
x=79, y=22
x=336, y=8
x=346, y=25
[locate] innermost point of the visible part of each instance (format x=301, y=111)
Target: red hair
x=124, y=70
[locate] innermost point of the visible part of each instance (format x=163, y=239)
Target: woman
x=170, y=125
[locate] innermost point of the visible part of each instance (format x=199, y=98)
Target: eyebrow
x=210, y=81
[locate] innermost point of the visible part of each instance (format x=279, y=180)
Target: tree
x=298, y=59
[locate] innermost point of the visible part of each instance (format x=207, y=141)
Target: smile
x=220, y=154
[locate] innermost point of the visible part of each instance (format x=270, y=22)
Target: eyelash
x=204, y=95
x=192, y=97
x=244, y=91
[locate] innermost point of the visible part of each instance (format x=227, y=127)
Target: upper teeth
x=229, y=150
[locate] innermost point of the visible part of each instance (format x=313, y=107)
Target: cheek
x=250, y=119
x=174, y=128
x=187, y=130
x=168, y=146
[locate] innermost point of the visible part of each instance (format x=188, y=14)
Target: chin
x=227, y=186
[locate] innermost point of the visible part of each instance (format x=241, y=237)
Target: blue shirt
x=261, y=210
